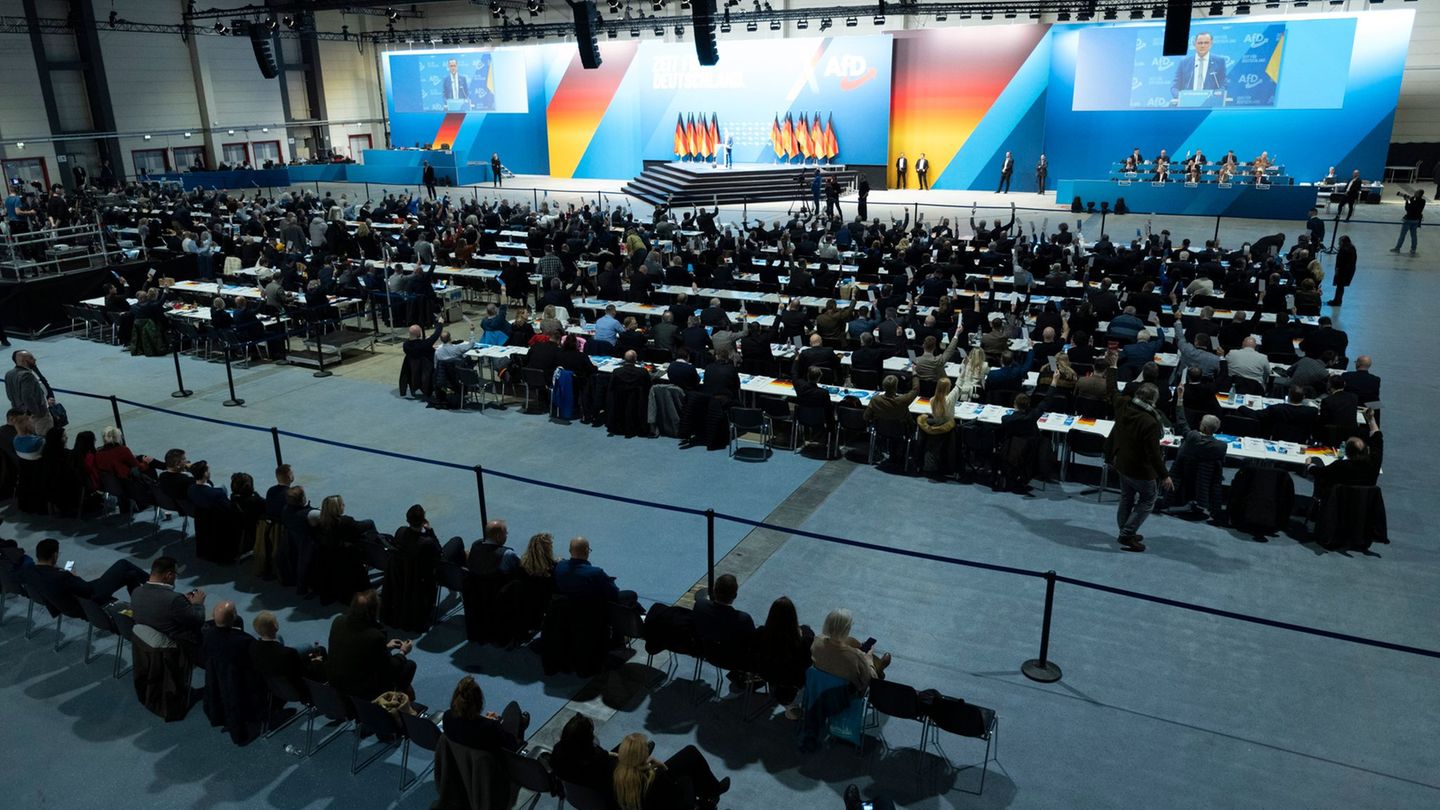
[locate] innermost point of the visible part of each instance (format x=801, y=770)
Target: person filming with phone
x=837, y=653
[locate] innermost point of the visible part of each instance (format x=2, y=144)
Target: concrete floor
x=1158, y=706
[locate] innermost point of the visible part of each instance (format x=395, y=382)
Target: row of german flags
x=806, y=139
x=696, y=140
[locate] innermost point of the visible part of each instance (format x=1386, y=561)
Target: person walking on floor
x=1346, y=258
x=1414, y=212
x=1133, y=447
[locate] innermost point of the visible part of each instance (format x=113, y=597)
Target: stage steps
x=684, y=185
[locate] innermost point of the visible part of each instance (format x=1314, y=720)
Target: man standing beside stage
x=729, y=145
x=922, y=172
x=1414, y=212
x=495, y=167
x=815, y=192
x=902, y=166
x=1007, y=168
x=427, y=176
x=863, y=189
x=1352, y=194
x=1042, y=168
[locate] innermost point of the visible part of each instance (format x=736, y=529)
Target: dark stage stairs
x=662, y=183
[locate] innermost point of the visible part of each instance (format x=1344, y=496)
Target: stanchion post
x=710, y=550
x=275, y=440
x=480, y=491
x=180, y=390
x=233, y=401
x=115, y=412
x=320, y=353
x=1042, y=669
x=1217, y=229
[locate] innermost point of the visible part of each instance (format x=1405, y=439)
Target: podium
x=1196, y=99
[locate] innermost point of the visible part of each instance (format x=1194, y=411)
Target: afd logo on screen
x=852, y=69
x=1256, y=39
x=1162, y=63
x=1250, y=81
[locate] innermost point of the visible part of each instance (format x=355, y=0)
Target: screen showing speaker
x=1261, y=64
x=489, y=81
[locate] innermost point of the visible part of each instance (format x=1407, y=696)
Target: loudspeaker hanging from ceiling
x=1177, y=27
x=264, y=54
x=584, y=11
x=703, y=13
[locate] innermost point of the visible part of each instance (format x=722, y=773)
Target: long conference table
x=1057, y=425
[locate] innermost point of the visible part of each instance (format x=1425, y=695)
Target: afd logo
x=1162, y=62
x=1256, y=39
x=1250, y=81
x=852, y=70
x=1135, y=82
x=1157, y=101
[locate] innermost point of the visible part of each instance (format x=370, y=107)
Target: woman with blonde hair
x=972, y=375
x=684, y=781
x=839, y=654
x=524, y=600
x=937, y=430
x=539, y=557
x=339, y=568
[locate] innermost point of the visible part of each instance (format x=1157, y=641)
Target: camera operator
x=1414, y=212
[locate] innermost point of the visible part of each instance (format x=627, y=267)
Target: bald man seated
x=578, y=578
x=236, y=696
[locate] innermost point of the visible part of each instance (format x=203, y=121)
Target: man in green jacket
x=1133, y=447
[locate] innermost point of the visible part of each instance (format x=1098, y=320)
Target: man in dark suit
x=236, y=697
x=361, y=663
x=497, y=178
x=922, y=171
x=1200, y=70
x=714, y=315
x=1042, y=170
x=455, y=84
x=722, y=378
x=902, y=168
x=489, y=556
x=1360, y=466
x=1337, y=411
x=1007, y=168
x=720, y=627
x=1352, y=194
x=817, y=355
x=427, y=176
x=1293, y=415
x=1325, y=337
x=863, y=193
x=60, y=588
x=681, y=372
x=1361, y=382
x=272, y=659
x=177, y=616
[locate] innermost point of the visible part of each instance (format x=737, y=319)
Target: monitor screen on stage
x=1261, y=64
x=490, y=81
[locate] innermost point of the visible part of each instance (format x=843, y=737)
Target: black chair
x=1086, y=444
x=283, y=692
x=423, y=732
x=1245, y=385
x=894, y=431
x=749, y=420
x=977, y=447
x=100, y=619
x=536, y=379
x=10, y=585
x=451, y=577
x=778, y=410
x=333, y=706
x=809, y=418
x=1092, y=408
x=965, y=720
x=1237, y=425
x=163, y=501
x=375, y=554
x=467, y=379
x=530, y=773
x=1003, y=397
x=370, y=716
x=850, y=420
x=867, y=379
x=899, y=701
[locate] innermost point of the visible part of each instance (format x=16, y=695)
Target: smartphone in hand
x=868, y=645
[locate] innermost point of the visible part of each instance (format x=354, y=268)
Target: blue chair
x=844, y=723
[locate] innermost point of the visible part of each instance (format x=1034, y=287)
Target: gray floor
x=1158, y=706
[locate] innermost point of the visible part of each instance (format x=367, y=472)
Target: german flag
x=707, y=143
x=832, y=147
x=776, y=140
x=789, y=136
x=717, y=147
x=690, y=140
x=679, y=135
x=817, y=137
x=802, y=138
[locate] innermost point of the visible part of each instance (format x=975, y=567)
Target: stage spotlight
x=851, y=22
x=1302, y=3
x=1157, y=12
x=1216, y=9
x=1277, y=5
x=272, y=25
x=614, y=6
x=941, y=16
x=1063, y=16
x=634, y=30
x=825, y=23
x=1137, y=13
x=1110, y=14
x=986, y=15
x=774, y=25
x=879, y=20
x=965, y=15
x=752, y=26
x=802, y=24
x=659, y=31
x=679, y=31
x=1242, y=8
x=535, y=7
x=685, y=4
x=657, y=5
x=1009, y=15
x=1034, y=15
